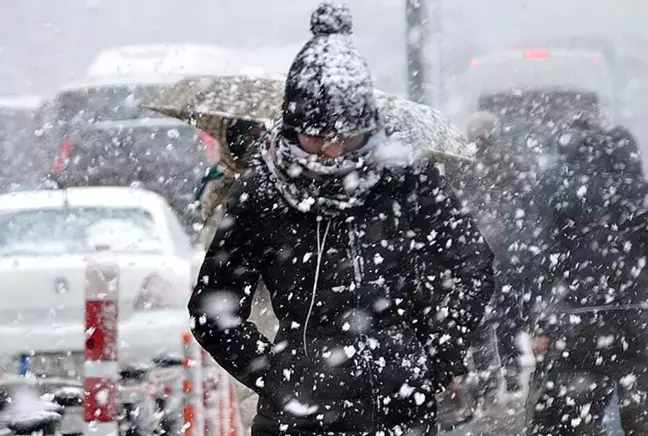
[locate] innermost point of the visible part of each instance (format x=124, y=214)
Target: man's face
x=330, y=147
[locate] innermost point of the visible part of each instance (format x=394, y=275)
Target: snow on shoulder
x=395, y=152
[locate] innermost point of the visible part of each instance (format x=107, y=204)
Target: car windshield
x=77, y=230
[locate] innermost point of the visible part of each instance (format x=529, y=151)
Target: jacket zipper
x=356, y=254
x=321, y=245
x=367, y=357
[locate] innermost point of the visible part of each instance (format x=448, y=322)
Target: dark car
x=163, y=155
x=75, y=106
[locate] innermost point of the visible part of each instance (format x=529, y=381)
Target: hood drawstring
x=321, y=243
x=355, y=254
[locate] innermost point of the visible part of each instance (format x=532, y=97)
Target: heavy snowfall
x=324, y=217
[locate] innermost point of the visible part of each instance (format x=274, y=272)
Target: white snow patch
x=605, y=341
x=628, y=380
x=349, y=351
x=405, y=391
x=102, y=397
x=296, y=408
x=581, y=191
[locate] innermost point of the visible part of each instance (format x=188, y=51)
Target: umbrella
x=206, y=101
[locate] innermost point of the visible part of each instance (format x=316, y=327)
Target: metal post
x=434, y=51
x=101, y=344
x=423, y=35
x=415, y=38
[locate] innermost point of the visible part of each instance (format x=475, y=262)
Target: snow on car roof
x=108, y=81
x=168, y=63
x=139, y=122
x=26, y=102
x=81, y=197
x=162, y=59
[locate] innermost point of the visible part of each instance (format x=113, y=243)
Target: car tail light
x=155, y=294
x=63, y=154
x=474, y=63
x=210, y=144
x=536, y=54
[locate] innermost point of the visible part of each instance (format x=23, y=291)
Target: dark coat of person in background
x=591, y=287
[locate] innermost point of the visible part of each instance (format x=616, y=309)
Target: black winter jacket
x=592, y=238
x=375, y=306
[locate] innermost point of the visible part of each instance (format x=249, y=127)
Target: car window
x=77, y=230
x=72, y=109
x=166, y=159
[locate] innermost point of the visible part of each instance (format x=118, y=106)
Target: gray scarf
x=323, y=186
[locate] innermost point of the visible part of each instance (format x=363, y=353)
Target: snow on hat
x=329, y=90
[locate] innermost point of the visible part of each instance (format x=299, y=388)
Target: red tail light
x=210, y=144
x=155, y=294
x=536, y=54
x=474, y=63
x=63, y=154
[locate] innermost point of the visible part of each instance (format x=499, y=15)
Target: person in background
x=588, y=300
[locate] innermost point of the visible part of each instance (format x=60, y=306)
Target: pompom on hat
x=329, y=89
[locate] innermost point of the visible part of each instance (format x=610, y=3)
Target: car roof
x=163, y=60
x=20, y=102
x=151, y=64
x=139, y=122
x=120, y=81
x=81, y=197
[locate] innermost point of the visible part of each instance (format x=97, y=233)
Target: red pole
x=210, y=394
x=192, y=388
x=101, y=345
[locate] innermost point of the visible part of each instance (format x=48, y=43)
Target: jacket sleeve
x=221, y=301
x=455, y=271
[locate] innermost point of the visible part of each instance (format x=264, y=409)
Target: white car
x=177, y=61
x=45, y=240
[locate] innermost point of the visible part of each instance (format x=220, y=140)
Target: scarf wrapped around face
x=326, y=186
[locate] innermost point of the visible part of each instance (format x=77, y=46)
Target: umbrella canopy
x=207, y=101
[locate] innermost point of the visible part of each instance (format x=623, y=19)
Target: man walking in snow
x=590, y=295
x=377, y=278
